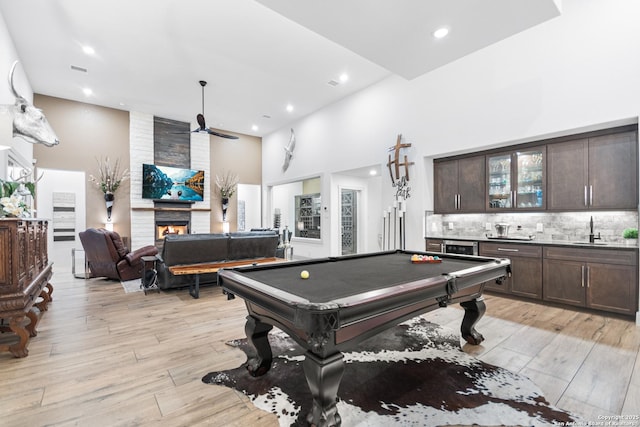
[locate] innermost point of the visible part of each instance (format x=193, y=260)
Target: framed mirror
x=249, y=207
x=296, y=207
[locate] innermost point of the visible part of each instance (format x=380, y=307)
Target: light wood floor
x=106, y=358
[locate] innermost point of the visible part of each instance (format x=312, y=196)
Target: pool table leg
x=257, y=336
x=473, y=311
x=323, y=377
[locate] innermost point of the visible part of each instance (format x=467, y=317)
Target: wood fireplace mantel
x=166, y=209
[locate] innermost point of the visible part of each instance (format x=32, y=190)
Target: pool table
x=348, y=299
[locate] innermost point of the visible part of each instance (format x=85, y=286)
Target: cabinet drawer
x=600, y=255
x=509, y=249
x=433, y=245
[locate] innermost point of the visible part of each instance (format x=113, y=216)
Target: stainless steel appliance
x=462, y=247
x=502, y=229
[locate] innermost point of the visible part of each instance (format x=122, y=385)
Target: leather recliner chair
x=108, y=256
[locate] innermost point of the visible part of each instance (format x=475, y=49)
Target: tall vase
x=108, y=198
x=225, y=205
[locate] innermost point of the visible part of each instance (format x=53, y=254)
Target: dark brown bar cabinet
x=25, y=272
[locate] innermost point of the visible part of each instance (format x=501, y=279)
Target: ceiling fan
x=200, y=119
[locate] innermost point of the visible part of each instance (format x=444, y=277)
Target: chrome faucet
x=593, y=237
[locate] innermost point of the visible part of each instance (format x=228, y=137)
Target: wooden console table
x=25, y=272
x=213, y=267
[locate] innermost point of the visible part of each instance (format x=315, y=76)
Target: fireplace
x=164, y=228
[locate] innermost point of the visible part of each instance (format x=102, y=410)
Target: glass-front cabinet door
x=517, y=180
x=530, y=179
x=500, y=188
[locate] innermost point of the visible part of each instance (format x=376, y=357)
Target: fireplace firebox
x=171, y=218
x=164, y=228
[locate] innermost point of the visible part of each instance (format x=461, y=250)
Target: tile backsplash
x=570, y=226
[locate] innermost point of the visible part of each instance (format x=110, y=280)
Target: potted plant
x=631, y=236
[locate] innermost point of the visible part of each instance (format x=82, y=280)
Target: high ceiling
x=257, y=56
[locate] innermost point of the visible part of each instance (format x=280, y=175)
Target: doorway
x=61, y=197
x=349, y=221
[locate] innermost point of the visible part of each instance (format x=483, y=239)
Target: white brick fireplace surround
x=141, y=151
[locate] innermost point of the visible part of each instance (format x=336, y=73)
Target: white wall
x=576, y=72
x=200, y=146
x=141, y=152
x=8, y=54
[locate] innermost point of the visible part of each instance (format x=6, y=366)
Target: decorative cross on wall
x=395, y=164
x=394, y=219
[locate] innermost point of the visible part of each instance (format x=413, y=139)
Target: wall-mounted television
x=172, y=184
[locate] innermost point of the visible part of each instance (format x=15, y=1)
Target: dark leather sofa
x=108, y=256
x=185, y=249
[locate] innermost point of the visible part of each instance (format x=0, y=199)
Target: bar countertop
x=526, y=239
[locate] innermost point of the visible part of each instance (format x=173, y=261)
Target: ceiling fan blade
x=208, y=130
x=221, y=135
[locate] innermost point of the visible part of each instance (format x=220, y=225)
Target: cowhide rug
x=130, y=286
x=414, y=374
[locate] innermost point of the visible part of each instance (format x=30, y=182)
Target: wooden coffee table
x=213, y=267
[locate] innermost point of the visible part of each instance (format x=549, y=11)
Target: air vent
x=266, y=116
x=76, y=68
x=333, y=83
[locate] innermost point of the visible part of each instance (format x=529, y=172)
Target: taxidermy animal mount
x=29, y=123
x=288, y=151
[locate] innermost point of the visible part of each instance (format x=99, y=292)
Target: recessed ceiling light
x=344, y=77
x=441, y=32
x=289, y=107
x=87, y=91
x=373, y=172
x=254, y=128
x=88, y=50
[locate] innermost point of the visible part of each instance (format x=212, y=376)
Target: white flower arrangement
x=227, y=184
x=14, y=207
x=12, y=196
x=109, y=177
